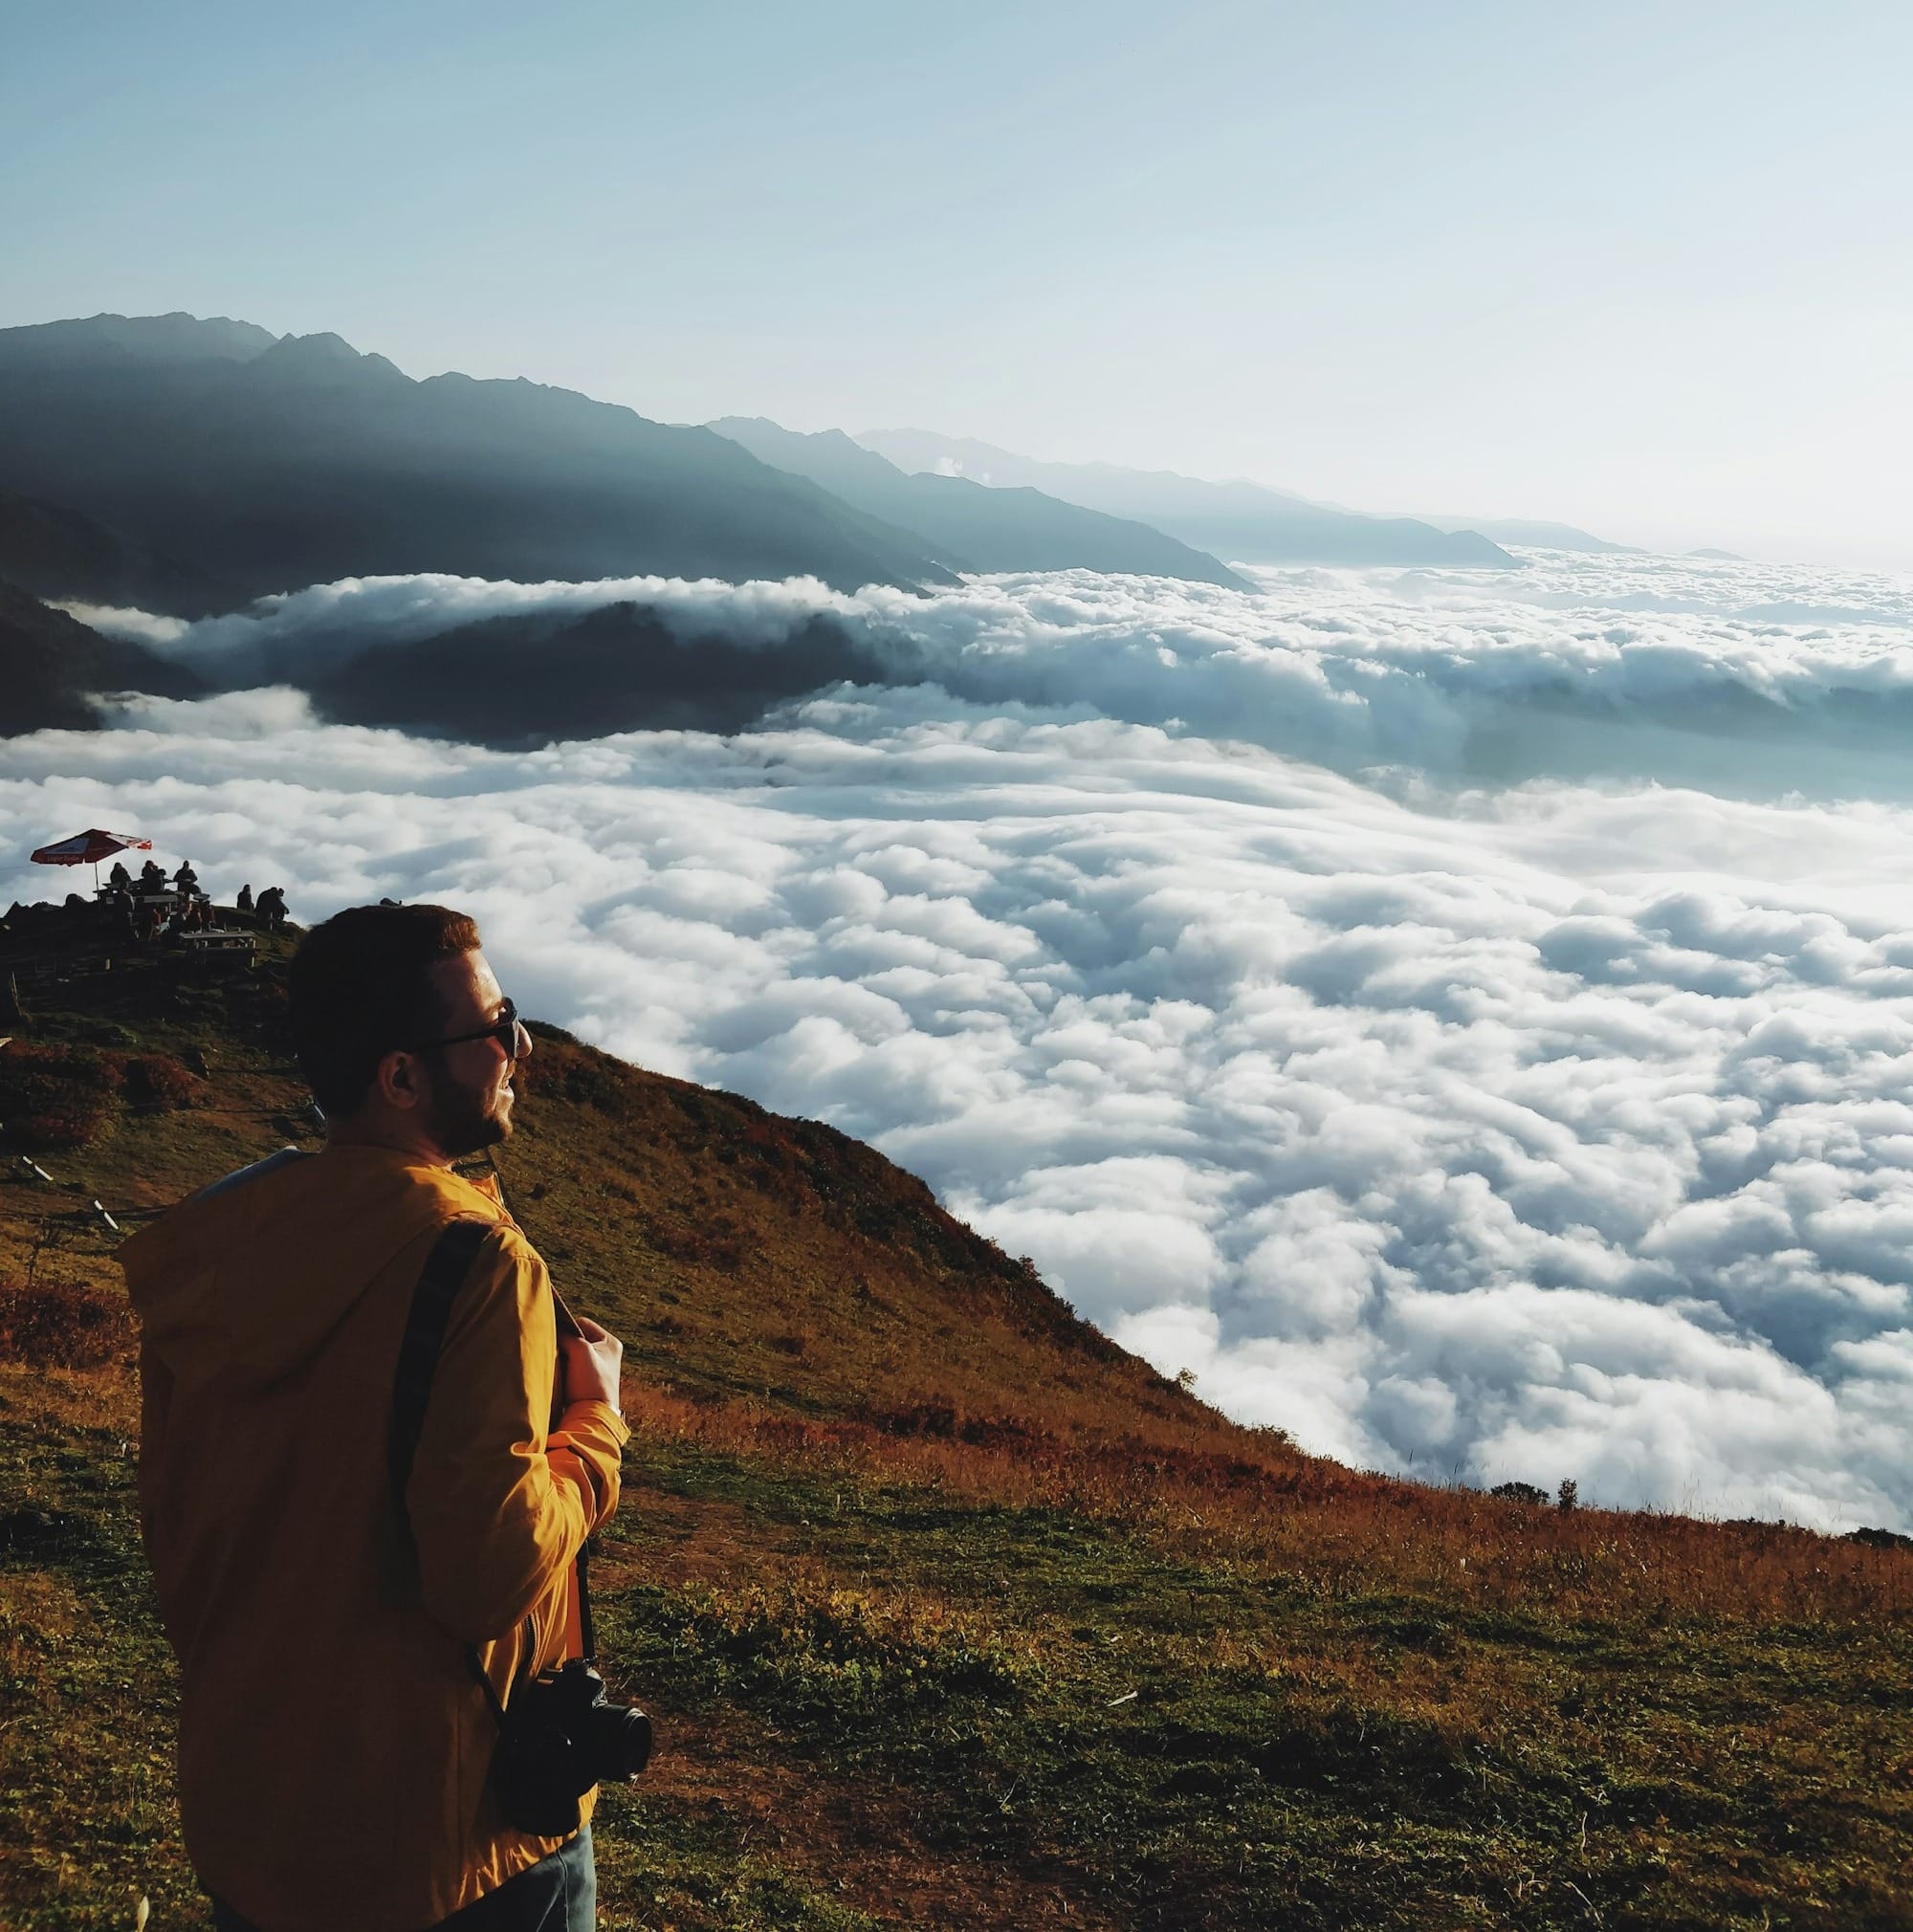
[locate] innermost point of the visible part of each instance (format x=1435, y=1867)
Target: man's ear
x=399, y=1081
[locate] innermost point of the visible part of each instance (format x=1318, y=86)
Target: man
x=333, y=1745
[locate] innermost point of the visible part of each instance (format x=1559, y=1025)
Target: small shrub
x=1881, y=1539
x=54, y=1325
x=1520, y=1492
x=53, y=1097
x=159, y=1081
x=1569, y=1497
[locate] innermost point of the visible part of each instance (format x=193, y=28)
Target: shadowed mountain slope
x=1240, y=522
x=274, y=464
x=49, y=662
x=967, y=526
x=53, y=552
x=617, y=669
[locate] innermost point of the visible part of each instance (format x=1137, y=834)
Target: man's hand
x=592, y=1360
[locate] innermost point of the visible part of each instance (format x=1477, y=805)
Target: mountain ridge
x=1239, y=521
x=969, y=526
x=300, y=460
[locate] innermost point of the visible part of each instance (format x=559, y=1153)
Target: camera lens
x=621, y=1742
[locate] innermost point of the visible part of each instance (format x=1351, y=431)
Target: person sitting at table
x=152, y=877
x=243, y=904
x=147, y=926
x=119, y=878
x=186, y=881
x=272, y=907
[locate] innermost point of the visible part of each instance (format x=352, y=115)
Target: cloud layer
x=1733, y=678
x=1540, y=1130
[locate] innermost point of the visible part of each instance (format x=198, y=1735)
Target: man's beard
x=460, y=1123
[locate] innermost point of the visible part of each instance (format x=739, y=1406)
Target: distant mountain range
x=1238, y=522
x=270, y=463
x=969, y=526
x=1536, y=535
x=187, y=465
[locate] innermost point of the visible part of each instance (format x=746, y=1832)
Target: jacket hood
x=242, y=1283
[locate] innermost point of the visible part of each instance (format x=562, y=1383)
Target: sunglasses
x=504, y=1030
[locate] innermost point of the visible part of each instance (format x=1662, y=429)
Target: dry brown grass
x=1340, y=1532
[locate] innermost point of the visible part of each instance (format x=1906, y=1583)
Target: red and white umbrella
x=89, y=848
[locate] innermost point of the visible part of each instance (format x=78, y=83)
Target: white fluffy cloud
x=1545, y=1130
x=1731, y=679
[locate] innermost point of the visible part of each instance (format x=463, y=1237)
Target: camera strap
x=445, y=1270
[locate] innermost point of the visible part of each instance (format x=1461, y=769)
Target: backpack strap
x=439, y=1281
x=438, y=1284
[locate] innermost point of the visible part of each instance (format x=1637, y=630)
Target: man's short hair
x=361, y=988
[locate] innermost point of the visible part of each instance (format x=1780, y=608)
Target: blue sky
x=1643, y=268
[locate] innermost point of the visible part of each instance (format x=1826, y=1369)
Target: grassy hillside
x=951, y=1614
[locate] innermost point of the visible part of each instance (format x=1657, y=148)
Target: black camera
x=560, y=1736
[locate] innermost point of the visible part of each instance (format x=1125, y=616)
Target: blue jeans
x=559, y=1894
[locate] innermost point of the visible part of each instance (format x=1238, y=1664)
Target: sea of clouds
x=1466, y=1019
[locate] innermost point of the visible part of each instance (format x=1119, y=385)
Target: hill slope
x=53, y=552
x=967, y=526
x=1240, y=522
x=49, y=662
x=274, y=464
x=618, y=668
x=952, y=1615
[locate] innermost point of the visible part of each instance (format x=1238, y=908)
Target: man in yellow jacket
x=333, y=1740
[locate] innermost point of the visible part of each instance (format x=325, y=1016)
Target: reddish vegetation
x=56, y=1324
x=55, y=1097
x=157, y=1079
x=1342, y=1531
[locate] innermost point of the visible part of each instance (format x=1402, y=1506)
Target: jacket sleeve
x=499, y=1502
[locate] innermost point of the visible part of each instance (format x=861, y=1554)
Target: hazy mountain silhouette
x=275, y=463
x=616, y=669
x=55, y=552
x=968, y=526
x=49, y=662
x=1536, y=534
x=1240, y=522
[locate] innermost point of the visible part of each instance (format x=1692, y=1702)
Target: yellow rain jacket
x=333, y=1745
